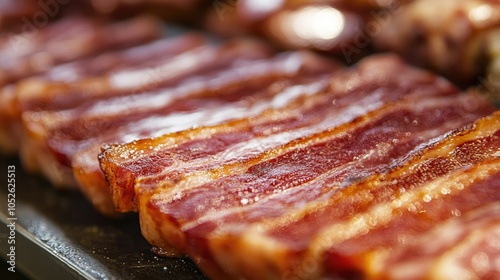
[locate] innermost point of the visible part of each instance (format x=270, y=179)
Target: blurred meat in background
x=455, y=38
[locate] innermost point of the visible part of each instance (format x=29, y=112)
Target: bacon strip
x=29, y=53
x=29, y=94
x=283, y=179
x=346, y=98
x=375, y=213
x=164, y=73
x=141, y=56
x=465, y=241
x=242, y=90
x=34, y=52
x=195, y=197
x=39, y=124
x=90, y=176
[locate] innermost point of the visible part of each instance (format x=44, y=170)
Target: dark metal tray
x=60, y=236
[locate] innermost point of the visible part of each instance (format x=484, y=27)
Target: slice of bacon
x=34, y=52
x=180, y=208
x=168, y=71
x=141, y=56
x=19, y=96
x=189, y=69
x=351, y=93
x=243, y=89
x=92, y=181
x=452, y=174
x=36, y=95
x=447, y=250
x=310, y=169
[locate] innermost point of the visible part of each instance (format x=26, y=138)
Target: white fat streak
x=135, y=55
x=161, y=98
x=172, y=67
x=209, y=116
x=292, y=93
x=259, y=145
x=182, y=63
x=138, y=53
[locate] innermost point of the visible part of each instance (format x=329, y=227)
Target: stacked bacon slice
x=188, y=82
x=355, y=179
x=54, y=52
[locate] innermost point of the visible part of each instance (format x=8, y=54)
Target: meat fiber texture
x=350, y=182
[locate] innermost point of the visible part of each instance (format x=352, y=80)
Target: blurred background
x=459, y=39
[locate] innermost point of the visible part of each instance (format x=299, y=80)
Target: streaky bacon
x=282, y=180
x=467, y=240
x=26, y=54
x=242, y=90
x=351, y=93
x=452, y=174
x=168, y=71
x=191, y=201
x=68, y=39
x=38, y=126
x=143, y=55
x=29, y=94
x=90, y=177
x=443, y=198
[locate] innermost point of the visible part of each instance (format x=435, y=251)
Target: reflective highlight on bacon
x=168, y=71
x=145, y=55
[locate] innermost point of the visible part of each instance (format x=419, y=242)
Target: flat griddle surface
x=60, y=236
